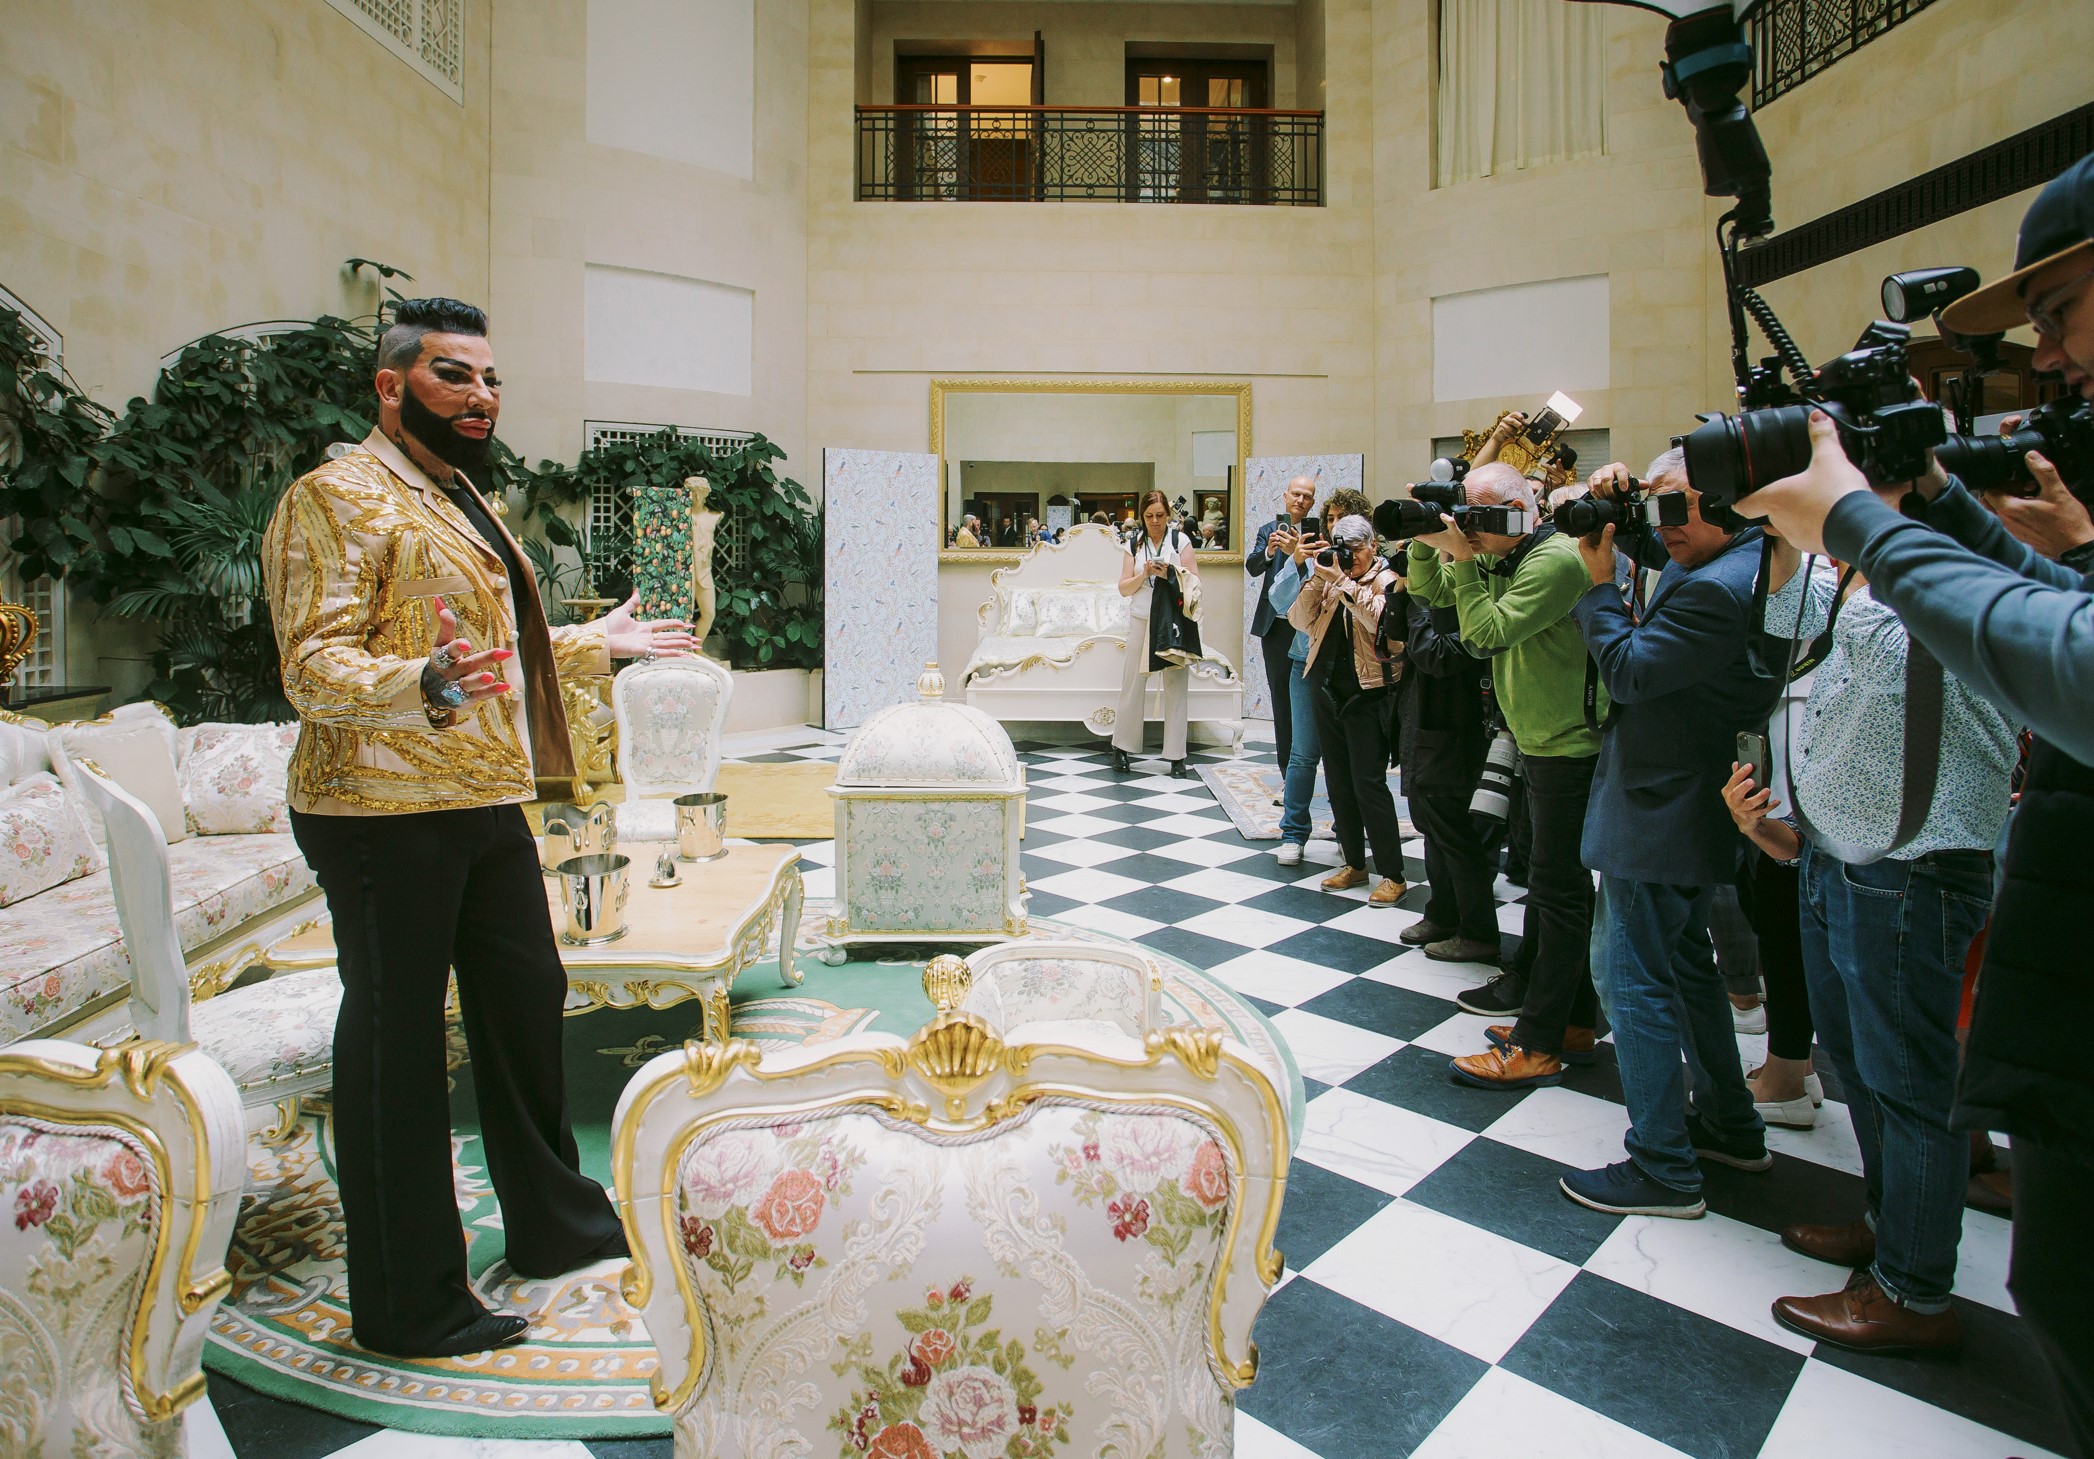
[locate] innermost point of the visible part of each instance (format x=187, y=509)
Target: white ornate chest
x=930, y=803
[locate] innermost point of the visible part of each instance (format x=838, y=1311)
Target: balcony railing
x=1108, y=154
x=1793, y=40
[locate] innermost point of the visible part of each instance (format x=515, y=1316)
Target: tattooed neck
x=437, y=471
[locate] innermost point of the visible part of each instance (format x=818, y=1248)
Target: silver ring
x=444, y=656
x=452, y=695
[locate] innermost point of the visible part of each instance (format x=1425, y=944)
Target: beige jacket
x=1317, y=609
x=357, y=553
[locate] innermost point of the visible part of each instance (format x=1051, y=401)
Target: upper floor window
x=45, y=597
x=1521, y=83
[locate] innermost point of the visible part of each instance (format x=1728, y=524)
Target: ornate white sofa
x=122, y=1170
x=1038, y=980
x=931, y=1248
x=1054, y=636
x=62, y=956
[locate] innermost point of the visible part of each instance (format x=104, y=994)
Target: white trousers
x=1134, y=682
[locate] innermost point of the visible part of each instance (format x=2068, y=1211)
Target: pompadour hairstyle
x=401, y=344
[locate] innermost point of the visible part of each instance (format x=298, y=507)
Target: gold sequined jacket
x=354, y=559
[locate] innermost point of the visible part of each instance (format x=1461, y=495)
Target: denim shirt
x=1848, y=746
x=1285, y=587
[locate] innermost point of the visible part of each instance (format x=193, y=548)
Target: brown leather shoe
x=1850, y=1245
x=1345, y=878
x=1580, y=1045
x=1861, y=1317
x=1507, y=1066
x=1387, y=893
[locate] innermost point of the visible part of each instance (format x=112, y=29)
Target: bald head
x=1299, y=497
x=1498, y=485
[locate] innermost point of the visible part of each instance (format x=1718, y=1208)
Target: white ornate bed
x=1053, y=637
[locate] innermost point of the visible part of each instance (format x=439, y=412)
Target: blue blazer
x=1261, y=569
x=1684, y=683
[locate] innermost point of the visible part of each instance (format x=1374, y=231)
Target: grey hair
x=1352, y=531
x=1672, y=462
x=1505, y=485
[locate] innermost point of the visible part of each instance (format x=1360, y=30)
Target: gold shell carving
x=1196, y=1046
x=707, y=1065
x=954, y=1053
x=947, y=980
x=18, y=630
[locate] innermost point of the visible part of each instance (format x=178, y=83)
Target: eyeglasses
x=2047, y=313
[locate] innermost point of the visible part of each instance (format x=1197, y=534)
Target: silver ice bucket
x=701, y=826
x=571, y=831
x=592, y=898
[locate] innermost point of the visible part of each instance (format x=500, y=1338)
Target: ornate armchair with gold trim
x=952, y=1244
x=1041, y=981
x=122, y=1169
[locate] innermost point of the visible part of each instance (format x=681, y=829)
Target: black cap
x=2060, y=222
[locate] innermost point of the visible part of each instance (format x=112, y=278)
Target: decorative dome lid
x=933, y=742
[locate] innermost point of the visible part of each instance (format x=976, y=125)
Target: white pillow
x=1021, y=615
x=1066, y=613
x=135, y=747
x=44, y=840
x=1111, y=606
x=234, y=777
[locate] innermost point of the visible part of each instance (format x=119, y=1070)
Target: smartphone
x=1752, y=751
x=1312, y=527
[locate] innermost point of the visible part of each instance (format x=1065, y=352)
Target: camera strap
x=1784, y=649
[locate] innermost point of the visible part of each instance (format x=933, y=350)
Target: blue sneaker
x=1621, y=1189
x=1738, y=1154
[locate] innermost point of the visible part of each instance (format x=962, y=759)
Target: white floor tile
x=1276, y=978
x=1214, y=851
x=1245, y=926
x=1108, y=920
x=1255, y=1441
x=1172, y=803
x=1723, y=1269
x=1511, y=918
x=1981, y=1259
x=1068, y=802
x=204, y=1434
x=1219, y=885
x=1373, y=1143
x=1086, y=884
x=1470, y=1288
x=1082, y=853
x=1833, y=1412
x=395, y=1444
x=818, y=853
x=1327, y=1050
x=1830, y=1142
x=1565, y=1126
x=820, y=882
x=1502, y=1405
x=1076, y=823
x=1420, y=974
x=1385, y=923
x=1460, y=1034
x=1185, y=825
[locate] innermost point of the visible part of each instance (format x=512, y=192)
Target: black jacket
x=1443, y=734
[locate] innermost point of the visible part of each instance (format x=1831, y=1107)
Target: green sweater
x=1523, y=625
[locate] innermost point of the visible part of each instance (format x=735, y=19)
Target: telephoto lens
x=1492, y=801
x=1585, y=515
x=1397, y=520
x=2061, y=431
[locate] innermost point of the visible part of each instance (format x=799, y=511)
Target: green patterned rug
x=583, y=1372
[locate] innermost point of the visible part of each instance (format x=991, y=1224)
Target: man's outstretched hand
x=658, y=638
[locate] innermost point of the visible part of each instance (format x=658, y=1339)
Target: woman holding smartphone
x=1158, y=550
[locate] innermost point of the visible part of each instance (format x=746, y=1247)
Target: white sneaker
x=1749, y=1020
x=1289, y=853
x=1788, y=1114
x=1815, y=1088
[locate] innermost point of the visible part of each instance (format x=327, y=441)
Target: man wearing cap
x=2020, y=630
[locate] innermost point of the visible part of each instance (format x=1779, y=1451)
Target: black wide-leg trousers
x=413, y=897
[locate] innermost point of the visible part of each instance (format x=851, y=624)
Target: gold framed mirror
x=1063, y=450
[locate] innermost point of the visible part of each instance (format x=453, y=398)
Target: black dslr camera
x=1633, y=513
x=1398, y=520
x=2062, y=430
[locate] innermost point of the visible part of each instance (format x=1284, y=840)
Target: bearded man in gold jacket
x=417, y=656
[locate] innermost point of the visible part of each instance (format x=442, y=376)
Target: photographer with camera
x=1340, y=609
x=1444, y=737
x=2019, y=629
x=1684, y=680
x=1512, y=583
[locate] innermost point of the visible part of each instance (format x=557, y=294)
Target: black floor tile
x=1310, y=1088
x=1047, y=904
x=1138, y=838
x=1417, y=1079
x=1270, y=1009
x=1398, y=1012
x=1344, y=952
x=1322, y=1208
x=1998, y=1379
x=261, y=1427
x=1303, y=903
x=661, y=1448
x=1792, y=1190
x=1159, y=904
x=1154, y=870
x=1708, y=1390
x=1514, y=1194
x=1128, y=813
x=1191, y=947
x=1345, y=1381
x=1267, y=869
x=1601, y=1078
x=1118, y=790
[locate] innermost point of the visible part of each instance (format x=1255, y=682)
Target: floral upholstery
x=1068, y=614
x=670, y=713
x=935, y=742
x=925, y=865
x=273, y=1034
x=63, y=948
x=72, y=1260
x=877, y=1291
x=1021, y=611
x=1013, y=986
x=44, y=840
x=233, y=777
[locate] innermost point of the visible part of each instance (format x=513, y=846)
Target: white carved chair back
x=671, y=716
x=1037, y=981
x=141, y=881
x=951, y=1240
x=128, y=1166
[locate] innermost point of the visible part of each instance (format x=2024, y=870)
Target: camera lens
x=1582, y=516
x=1397, y=519
x=1733, y=456
x=1990, y=463
x=1492, y=800
x=1328, y=557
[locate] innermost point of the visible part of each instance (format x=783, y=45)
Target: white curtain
x=1521, y=83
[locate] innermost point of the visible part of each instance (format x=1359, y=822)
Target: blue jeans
x=1655, y=969
x=1304, y=752
x=1883, y=949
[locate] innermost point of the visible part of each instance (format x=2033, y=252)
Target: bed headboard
x=1087, y=556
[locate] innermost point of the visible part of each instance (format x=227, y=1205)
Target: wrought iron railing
x=1793, y=40
x=1124, y=154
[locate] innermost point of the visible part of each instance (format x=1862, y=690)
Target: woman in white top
x=1155, y=552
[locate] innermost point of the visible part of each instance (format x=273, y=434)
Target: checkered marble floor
x=1442, y=1298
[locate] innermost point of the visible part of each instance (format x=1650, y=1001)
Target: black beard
x=434, y=434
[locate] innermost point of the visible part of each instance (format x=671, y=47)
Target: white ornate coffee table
x=681, y=942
